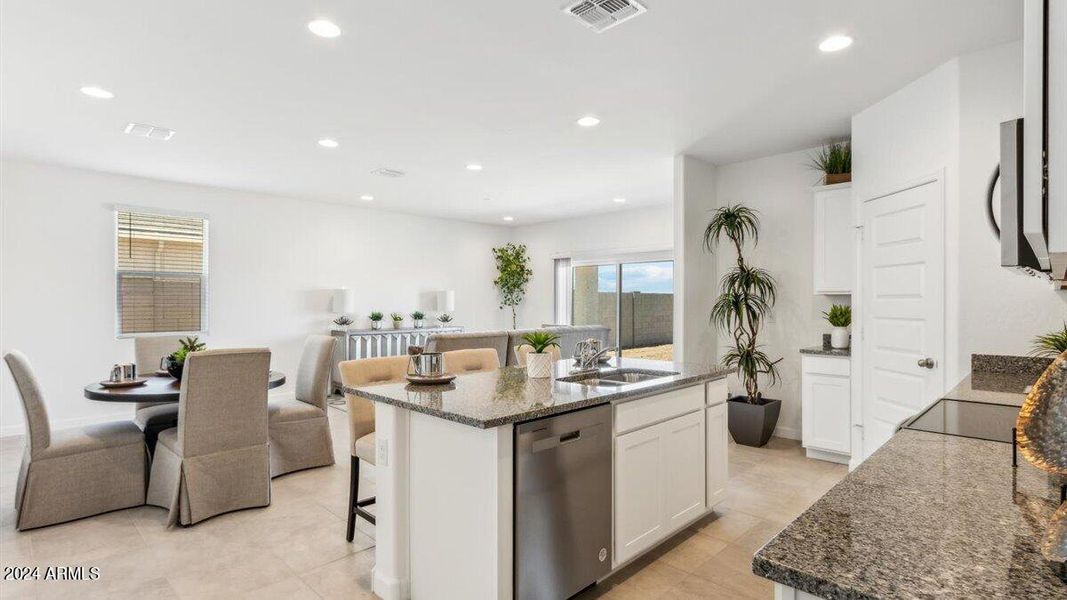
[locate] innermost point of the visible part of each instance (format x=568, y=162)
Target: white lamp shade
x=446, y=301
x=343, y=300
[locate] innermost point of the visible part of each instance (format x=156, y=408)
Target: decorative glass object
x=1041, y=432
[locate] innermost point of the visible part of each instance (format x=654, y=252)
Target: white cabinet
x=683, y=451
x=639, y=493
x=834, y=253
x=718, y=457
x=826, y=407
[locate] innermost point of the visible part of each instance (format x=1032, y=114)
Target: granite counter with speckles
x=926, y=516
x=495, y=398
x=827, y=351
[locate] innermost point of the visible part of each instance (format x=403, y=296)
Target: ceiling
x=428, y=87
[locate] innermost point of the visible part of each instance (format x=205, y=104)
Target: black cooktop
x=978, y=420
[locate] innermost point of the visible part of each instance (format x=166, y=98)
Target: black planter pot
x=175, y=368
x=752, y=424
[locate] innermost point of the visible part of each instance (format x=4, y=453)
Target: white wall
x=779, y=187
x=273, y=263
x=608, y=234
x=695, y=274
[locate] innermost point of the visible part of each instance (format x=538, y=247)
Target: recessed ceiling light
x=328, y=143
x=589, y=121
x=366, y=197
x=97, y=92
x=509, y=219
x=474, y=167
x=835, y=43
x=619, y=200
x=324, y=28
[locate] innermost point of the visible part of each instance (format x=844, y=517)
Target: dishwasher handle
x=555, y=441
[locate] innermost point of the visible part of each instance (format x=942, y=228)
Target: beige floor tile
x=688, y=550
x=93, y=538
x=347, y=578
x=698, y=588
x=287, y=589
x=725, y=524
x=731, y=569
x=124, y=575
x=18, y=590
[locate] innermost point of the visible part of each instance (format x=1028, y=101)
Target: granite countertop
x=993, y=388
x=494, y=398
x=926, y=516
x=827, y=351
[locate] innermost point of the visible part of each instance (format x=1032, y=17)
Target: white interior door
x=903, y=292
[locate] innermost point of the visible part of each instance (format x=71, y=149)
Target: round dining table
x=157, y=388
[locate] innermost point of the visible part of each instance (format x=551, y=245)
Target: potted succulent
x=839, y=317
x=417, y=318
x=398, y=320
x=444, y=319
x=834, y=160
x=376, y=320
x=747, y=295
x=342, y=323
x=539, y=362
x=1051, y=344
x=175, y=361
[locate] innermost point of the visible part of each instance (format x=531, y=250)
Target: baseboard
x=787, y=432
x=20, y=429
x=388, y=588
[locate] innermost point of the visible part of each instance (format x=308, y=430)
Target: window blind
x=161, y=272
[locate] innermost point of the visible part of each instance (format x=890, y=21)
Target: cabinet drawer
x=822, y=365
x=643, y=412
x=717, y=392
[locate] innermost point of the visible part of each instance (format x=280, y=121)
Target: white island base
x=444, y=507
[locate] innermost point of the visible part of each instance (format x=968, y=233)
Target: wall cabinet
x=826, y=407
x=833, y=253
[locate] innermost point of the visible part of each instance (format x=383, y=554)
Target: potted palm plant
x=398, y=320
x=839, y=317
x=834, y=160
x=746, y=297
x=539, y=362
x=417, y=318
x=376, y=320
x=1051, y=344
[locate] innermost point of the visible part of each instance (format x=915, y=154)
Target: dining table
x=156, y=388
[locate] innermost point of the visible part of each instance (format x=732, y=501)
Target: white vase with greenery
x=840, y=317
x=539, y=361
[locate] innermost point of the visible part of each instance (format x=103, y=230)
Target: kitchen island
x=445, y=472
x=929, y=515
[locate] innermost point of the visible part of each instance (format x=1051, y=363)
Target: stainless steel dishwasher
x=562, y=504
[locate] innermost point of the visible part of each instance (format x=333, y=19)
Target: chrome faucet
x=587, y=354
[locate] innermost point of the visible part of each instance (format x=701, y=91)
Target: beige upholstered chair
x=522, y=350
x=299, y=429
x=73, y=473
x=362, y=373
x=471, y=361
x=153, y=417
x=217, y=459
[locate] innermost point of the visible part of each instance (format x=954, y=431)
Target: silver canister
x=427, y=364
x=123, y=372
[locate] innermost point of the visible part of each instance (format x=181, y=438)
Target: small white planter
x=839, y=338
x=538, y=366
x=375, y=325
x=398, y=324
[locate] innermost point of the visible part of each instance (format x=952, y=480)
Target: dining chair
x=299, y=428
x=217, y=459
x=153, y=417
x=362, y=373
x=477, y=360
x=73, y=473
x=523, y=349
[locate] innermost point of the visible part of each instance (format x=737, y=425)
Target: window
x=633, y=295
x=160, y=272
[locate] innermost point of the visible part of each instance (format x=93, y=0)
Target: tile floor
x=295, y=548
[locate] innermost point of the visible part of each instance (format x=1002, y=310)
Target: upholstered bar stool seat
x=299, y=427
x=73, y=473
x=471, y=361
x=363, y=448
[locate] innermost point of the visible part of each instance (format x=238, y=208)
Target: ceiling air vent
x=151, y=132
x=602, y=15
x=387, y=172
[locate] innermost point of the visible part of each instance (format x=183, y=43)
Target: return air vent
x=387, y=172
x=602, y=15
x=151, y=132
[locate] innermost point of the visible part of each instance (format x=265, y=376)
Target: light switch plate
x=383, y=453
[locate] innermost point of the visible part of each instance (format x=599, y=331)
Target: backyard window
x=161, y=272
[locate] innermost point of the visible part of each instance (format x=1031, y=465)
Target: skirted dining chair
x=299, y=428
x=73, y=473
x=361, y=373
x=217, y=459
x=476, y=360
x=522, y=350
x=153, y=417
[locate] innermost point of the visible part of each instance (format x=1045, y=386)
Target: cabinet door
x=834, y=252
x=683, y=464
x=639, y=492
x=826, y=410
x=718, y=454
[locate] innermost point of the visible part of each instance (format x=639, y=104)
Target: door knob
x=927, y=363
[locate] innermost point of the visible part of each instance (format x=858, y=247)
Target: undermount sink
x=618, y=377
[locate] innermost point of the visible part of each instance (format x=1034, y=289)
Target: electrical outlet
x=383, y=453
